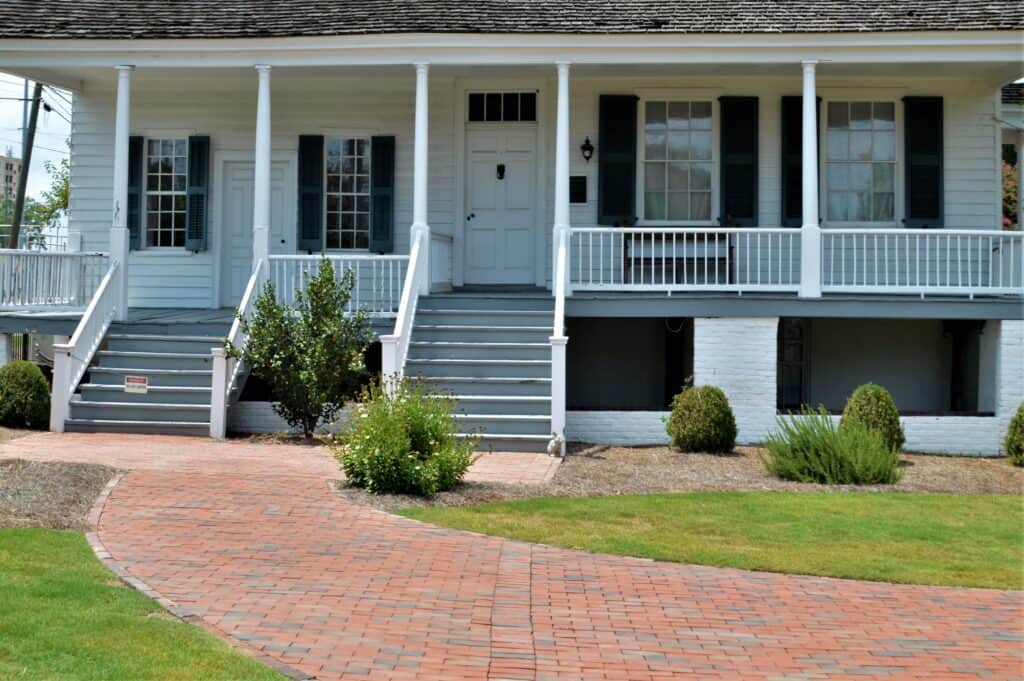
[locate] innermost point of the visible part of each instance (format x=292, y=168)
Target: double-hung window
x=860, y=162
x=165, y=188
x=348, y=193
x=677, y=161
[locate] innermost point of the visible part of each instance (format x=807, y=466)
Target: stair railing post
x=61, y=389
x=218, y=396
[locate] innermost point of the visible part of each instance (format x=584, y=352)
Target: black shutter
x=792, y=115
x=133, y=216
x=311, y=193
x=616, y=160
x=198, y=192
x=382, y=194
x=739, y=161
x=923, y=146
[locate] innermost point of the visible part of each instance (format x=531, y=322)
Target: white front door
x=236, y=224
x=501, y=197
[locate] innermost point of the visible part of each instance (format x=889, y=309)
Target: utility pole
x=26, y=161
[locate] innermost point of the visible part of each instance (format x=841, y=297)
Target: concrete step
x=98, y=392
x=201, y=429
x=506, y=424
x=507, y=405
x=475, y=350
x=507, y=442
x=532, y=387
x=482, y=334
x=139, y=411
x=167, y=344
x=124, y=359
x=485, y=301
x=492, y=318
x=480, y=368
x=157, y=377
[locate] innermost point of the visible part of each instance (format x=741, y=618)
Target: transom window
x=348, y=193
x=677, y=156
x=860, y=162
x=166, y=178
x=502, y=107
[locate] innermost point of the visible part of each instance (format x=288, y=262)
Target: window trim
x=341, y=135
x=679, y=95
x=893, y=97
x=175, y=136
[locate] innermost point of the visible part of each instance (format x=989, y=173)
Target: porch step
x=200, y=345
x=153, y=360
x=479, y=368
x=477, y=317
x=497, y=405
x=140, y=411
x=144, y=427
x=483, y=334
x=114, y=376
x=511, y=424
x=478, y=350
x=507, y=442
x=502, y=386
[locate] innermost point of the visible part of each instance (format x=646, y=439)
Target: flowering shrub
x=403, y=443
x=1010, y=189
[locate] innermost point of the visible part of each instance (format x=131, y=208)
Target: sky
x=52, y=131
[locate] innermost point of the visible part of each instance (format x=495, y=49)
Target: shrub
x=810, y=448
x=1014, y=443
x=702, y=421
x=311, y=355
x=403, y=443
x=872, y=406
x=24, y=396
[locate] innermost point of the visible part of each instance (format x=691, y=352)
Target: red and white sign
x=136, y=384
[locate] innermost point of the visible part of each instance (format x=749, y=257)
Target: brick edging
x=180, y=612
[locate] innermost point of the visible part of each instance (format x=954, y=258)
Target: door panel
x=501, y=230
x=236, y=220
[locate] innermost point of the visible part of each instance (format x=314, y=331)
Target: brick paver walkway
x=266, y=553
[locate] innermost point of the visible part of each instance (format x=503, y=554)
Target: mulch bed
x=53, y=494
x=590, y=470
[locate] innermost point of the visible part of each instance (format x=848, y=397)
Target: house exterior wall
x=223, y=106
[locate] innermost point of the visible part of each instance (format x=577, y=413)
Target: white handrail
x=395, y=346
x=71, y=359
x=558, y=342
x=31, y=278
x=227, y=370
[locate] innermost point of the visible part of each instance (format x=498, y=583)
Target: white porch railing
x=684, y=259
x=922, y=261
x=395, y=346
x=441, y=261
x=48, y=279
x=228, y=371
x=378, y=278
x=70, y=360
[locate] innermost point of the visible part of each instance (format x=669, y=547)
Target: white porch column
x=562, y=220
x=119, y=242
x=261, y=170
x=810, y=232
x=420, y=225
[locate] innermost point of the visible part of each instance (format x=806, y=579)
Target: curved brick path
x=340, y=591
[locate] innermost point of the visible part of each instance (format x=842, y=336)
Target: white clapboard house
x=558, y=211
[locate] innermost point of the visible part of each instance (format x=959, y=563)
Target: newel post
x=810, y=231
x=61, y=390
x=219, y=398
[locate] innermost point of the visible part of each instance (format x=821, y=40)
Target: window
x=677, y=158
x=348, y=193
x=502, y=107
x=166, y=173
x=860, y=162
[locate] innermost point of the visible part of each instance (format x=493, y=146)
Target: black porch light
x=587, y=149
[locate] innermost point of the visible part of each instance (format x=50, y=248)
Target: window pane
x=679, y=115
x=333, y=240
x=700, y=146
x=883, y=177
x=334, y=147
x=858, y=206
x=860, y=177
x=510, y=110
x=838, y=145
x=885, y=116
x=179, y=147
x=860, y=146
x=153, y=147
x=654, y=145
x=493, y=106
x=838, y=115
x=654, y=205
x=528, y=106
x=347, y=240
x=838, y=176
x=362, y=239
x=837, y=203
x=167, y=147
x=700, y=205
x=678, y=145
x=334, y=183
x=655, y=119
x=884, y=146
x=883, y=207
x=860, y=115
x=700, y=176
x=678, y=206
x=476, y=109
x=654, y=176
x=678, y=176
x=700, y=115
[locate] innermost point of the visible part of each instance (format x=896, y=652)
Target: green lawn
x=65, y=616
x=910, y=538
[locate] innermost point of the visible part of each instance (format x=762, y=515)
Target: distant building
x=10, y=170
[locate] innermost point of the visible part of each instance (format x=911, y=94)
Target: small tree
x=310, y=354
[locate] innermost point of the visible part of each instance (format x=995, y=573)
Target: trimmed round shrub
x=24, y=396
x=872, y=406
x=702, y=421
x=1014, y=443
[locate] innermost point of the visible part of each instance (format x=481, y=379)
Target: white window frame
x=173, y=135
x=678, y=95
x=344, y=135
x=894, y=97
x=503, y=91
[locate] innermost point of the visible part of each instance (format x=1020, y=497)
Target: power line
x=57, y=151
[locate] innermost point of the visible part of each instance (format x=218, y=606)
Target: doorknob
x=470, y=217
x=501, y=171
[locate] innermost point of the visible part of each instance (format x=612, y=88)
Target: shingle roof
x=95, y=19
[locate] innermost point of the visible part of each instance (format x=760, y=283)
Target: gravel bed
x=590, y=470
x=53, y=494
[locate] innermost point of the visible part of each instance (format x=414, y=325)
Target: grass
x=907, y=538
x=64, y=616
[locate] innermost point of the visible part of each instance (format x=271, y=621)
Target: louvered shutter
x=311, y=193
x=616, y=159
x=739, y=121
x=923, y=149
x=198, y=192
x=382, y=194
